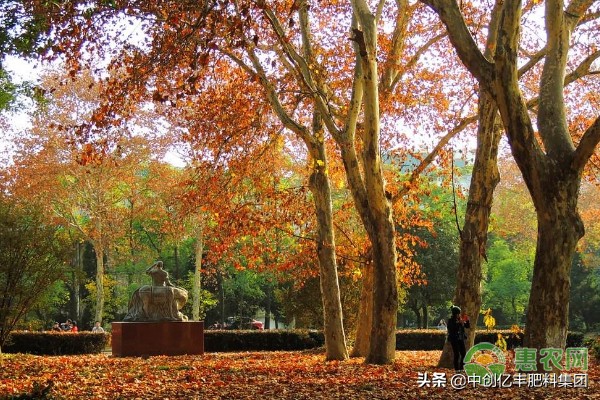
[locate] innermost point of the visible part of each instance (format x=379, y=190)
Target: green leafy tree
x=243, y=292
x=301, y=304
x=437, y=257
x=585, y=295
x=19, y=35
x=31, y=260
x=506, y=288
x=49, y=308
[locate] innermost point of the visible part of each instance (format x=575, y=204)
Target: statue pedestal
x=157, y=338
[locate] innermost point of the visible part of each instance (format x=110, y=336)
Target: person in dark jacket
x=457, y=335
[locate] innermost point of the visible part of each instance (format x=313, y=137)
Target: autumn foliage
x=273, y=375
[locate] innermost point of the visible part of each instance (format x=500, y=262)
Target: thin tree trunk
x=268, y=307
x=221, y=296
x=99, y=283
x=197, y=289
x=176, y=256
x=78, y=273
x=335, y=339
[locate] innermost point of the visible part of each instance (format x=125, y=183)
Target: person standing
x=457, y=335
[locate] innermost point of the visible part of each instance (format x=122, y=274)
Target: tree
x=32, y=259
x=438, y=261
x=508, y=281
x=550, y=162
x=20, y=33
x=86, y=184
x=585, y=296
x=436, y=253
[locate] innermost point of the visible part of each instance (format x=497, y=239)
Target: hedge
x=56, y=343
x=267, y=340
x=429, y=339
x=420, y=339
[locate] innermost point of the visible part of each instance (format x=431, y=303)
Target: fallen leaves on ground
x=249, y=375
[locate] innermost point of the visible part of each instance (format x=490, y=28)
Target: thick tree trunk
x=335, y=339
x=375, y=212
x=368, y=190
x=559, y=230
x=548, y=159
x=382, y=348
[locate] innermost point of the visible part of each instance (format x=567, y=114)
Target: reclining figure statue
x=160, y=301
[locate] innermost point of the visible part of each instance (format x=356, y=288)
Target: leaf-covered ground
x=269, y=375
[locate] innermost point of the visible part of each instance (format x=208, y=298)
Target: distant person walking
x=457, y=335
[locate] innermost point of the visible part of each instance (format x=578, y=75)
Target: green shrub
x=56, y=343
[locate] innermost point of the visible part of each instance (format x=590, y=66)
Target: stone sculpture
x=160, y=301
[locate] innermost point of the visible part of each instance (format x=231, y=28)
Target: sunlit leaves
x=277, y=375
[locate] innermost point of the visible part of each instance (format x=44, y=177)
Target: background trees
x=33, y=255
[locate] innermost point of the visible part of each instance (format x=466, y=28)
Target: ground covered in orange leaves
x=256, y=375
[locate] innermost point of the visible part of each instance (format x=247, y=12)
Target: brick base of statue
x=138, y=339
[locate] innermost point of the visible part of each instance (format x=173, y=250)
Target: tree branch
x=587, y=146
x=461, y=38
